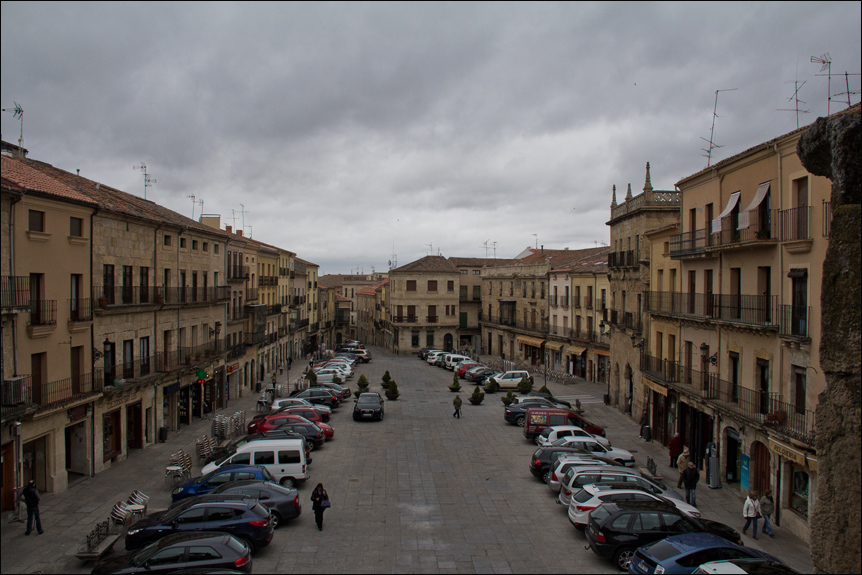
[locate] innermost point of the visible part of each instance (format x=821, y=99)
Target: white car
x=596, y=448
x=299, y=402
x=551, y=434
x=431, y=358
x=328, y=374
x=580, y=461
x=454, y=359
x=591, y=496
x=346, y=366
x=509, y=379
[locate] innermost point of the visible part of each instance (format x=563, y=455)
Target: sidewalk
x=69, y=516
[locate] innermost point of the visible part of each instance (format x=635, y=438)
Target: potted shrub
x=493, y=386
x=392, y=391
x=508, y=399
x=477, y=396
x=456, y=385
x=363, y=381
x=386, y=379
x=525, y=385
x=311, y=377
x=337, y=380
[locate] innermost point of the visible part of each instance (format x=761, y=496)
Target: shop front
x=696, y=430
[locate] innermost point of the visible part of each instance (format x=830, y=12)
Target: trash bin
x=163, y=434
x=607, y=399
x=647, y=433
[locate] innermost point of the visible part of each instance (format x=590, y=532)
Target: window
x=477, y=272
x=288, y=457
x=429, y=339
x=193, y=515
x=621, y=522
x=203, y=554
x=223, y=514
x=182, y=242
x=414, y=340
x=241, y=459
x=450, y=285
x=799, y=486
x=264, y=458
x=432, y=285
x=411, y=285
x=215, y=249
x=76, y=227
x=799, y=389
x=477, y=292
x=37, y=221
x=194, y=244
x=244, y=475
x=167, y=240
x=172, y=556
x=206, y=247
x=647, y=522
x=463, y=272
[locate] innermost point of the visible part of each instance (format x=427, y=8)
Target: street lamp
x=636, y=343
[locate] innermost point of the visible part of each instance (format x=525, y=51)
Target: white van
x=283, y=458
x=454, y=359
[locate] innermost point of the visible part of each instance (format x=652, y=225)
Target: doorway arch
x=760, y=459
x=447, y=342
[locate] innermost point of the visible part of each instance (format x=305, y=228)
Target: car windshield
x=369, y=400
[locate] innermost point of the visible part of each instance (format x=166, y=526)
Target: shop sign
x=787, y=452
x=172, y=388
x=655, y=387
x=232, y=367
x=743, y=474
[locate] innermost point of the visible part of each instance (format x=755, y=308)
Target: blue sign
x=743, y=474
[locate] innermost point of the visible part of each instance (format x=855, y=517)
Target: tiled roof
x=367, y=291
x=479, y=262
x=558, y=258
x=21, y=174
x=428, y=264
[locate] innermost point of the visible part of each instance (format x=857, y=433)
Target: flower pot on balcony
x=160, y=298
x=103, y=302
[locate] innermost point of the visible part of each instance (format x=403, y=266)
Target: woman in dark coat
x=318, y=496
x=675, y=446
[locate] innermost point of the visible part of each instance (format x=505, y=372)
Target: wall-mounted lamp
x=704, y=352
x=636, y=343
x=602, y=327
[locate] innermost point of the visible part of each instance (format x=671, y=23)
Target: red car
x=263, y=423
x=467, y=365
x=308, y=413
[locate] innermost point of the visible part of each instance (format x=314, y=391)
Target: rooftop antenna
x=233, y=218
x=848, y=92
x=393, y=263
x=201, y=205
x=148, y=179
x=495, y=249
x=18, y=112
x=486, y=247
x=192, y=196
x=712, y=144
x=795, y=96
x=825, y=61
x=243, y=216
x=430, y=248
x=537, y=240
x=250, y=231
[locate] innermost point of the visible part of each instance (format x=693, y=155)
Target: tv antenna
x=233, y=218
x=430, y=248
x=848, y=92
x=393, y=263
x=825, y=61
x=201, y=205
x=148, y=179
x=795, y=97
x=485, y=243
x=495, y=249
x=537, y=240
x=711, y=141
x=18, y=112
x=192, y=196
x=244, y=212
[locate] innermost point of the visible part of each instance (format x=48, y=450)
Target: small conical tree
x=386, y=379
x=477, y=396
x=544, y=389
x=363, y=381
x=508, y=398
x=336, y=379
x=525, y=385
x=392, y=391
x=456, y=385
x=492, y=386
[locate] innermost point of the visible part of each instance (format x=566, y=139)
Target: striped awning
x=527, y=340
x=731, y=203
x=744, y=216
x=575, y=350
x=556, y=346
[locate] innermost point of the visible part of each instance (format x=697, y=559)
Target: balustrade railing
x=15, y=292
x=43, y=312
x=81, y=309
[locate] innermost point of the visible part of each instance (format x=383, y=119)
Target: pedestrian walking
x=30, y=496
x=767, y=508
x=457, y=403
x=319, y=504
x=682, y=463
x=751, y=512
x=289, y=361
x=690, y=477
x=643, y=424
x=675, y=446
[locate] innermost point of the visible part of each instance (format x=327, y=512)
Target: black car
x=240, y=516
x=340, y=391
x=319, y=395
x=544, y=459
x=207, y=550
x=282, y=502
x=368, y=406
x=234, y=444
x=423, y=353
x=479, y=375
x=312, y=434
x=617, y=529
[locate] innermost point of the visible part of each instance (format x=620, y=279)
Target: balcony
x=145, y=295
x=688, y=244
x=751, y=310
x=794, y=322
x=54, y=394
x=237, y=314
x=274, y=309
x=754, y=406
x=540, y=326
x=15, y=294
x=623, y=259
x=251, y=294
x=762, y=229
x=235, y=351
x=80, y=310
x=237, y=273
x=43, y=312
x=404, y=319
x=431, y=319
x=268, y=281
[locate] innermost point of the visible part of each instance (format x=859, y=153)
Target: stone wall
x=831, y=149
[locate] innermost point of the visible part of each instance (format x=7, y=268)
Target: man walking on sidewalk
x=457, y=403
x=690, y=478
x=30, y=496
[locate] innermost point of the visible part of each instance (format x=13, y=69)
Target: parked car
x=454, y=359
x=543, y=458
x=685, y=553
x=318, y=396
x=743, y=566
x=205, y=550
x=621, y=456
x=282, y=502
x=307, y=430
x=308, y=413
x=561, y=466
x=616, y=530
x=340, y=391
x=461, y=368
x=324, y=411
x=510, y=379
x=205, y=483
x=536, y=419
x=516, y=412
x=551, y=434
x=368, y=406
x=283, y=458
x=580, y=503
x=423, y=353
x=431, y=357
x=328, y=375
x=543, y=400
x=576, y=479
x=243, y=517
x=231, y=447
x=479, y=374
x=362, y=355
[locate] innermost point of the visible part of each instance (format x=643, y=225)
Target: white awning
x=744, y=219
x=731, y=203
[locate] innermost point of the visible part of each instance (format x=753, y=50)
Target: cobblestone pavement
x=419, y=492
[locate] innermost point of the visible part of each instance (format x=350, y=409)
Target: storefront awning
x=553, y=345
x=527, y=340
x=787, y=451
x=654, y=386
x=744, y=216
x=731, y=203
x=575, y=350
x=602, y=352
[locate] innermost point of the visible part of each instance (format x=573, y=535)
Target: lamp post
x=706, y=360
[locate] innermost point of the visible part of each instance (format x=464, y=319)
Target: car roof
x=688, y=542
x=656, y=505
x=174, y=538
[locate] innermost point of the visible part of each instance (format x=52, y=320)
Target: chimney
x=228, y=229
x=239, y=233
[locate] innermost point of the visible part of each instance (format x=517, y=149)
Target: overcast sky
x=350, y=132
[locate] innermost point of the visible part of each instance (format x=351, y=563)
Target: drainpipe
x=92, y=347
x=156, y=410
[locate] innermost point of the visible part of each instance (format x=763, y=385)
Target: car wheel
x=288, y=482
x=355, y=418
x=621, y=462
x=381, y=416
x=276, y=520
x=520, y=421
x=622, y=558
x=248, y=544
x=546, y=476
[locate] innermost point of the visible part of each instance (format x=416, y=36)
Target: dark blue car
x=685, y=553
x=224, y=474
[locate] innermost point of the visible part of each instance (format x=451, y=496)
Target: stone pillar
x=831, y=149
